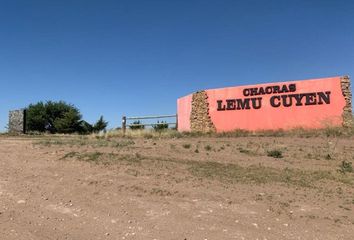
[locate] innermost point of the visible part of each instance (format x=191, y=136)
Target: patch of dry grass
x=85, y=141
x=262, y=175
x=230, y=173
x=103, y=158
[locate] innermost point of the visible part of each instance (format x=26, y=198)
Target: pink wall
x=184, y=107
x=270, y=117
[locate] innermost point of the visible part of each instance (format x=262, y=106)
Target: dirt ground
x=176, y=188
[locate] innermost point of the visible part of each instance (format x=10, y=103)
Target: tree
x=100, y=125
x=68, y=123
x=85, y=127
x=55, y=117
x=36, y=119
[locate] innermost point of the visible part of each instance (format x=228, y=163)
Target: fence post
x=124, y=124
x=177, y=122
x=25, y=121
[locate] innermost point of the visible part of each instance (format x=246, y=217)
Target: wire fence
x=137, y=123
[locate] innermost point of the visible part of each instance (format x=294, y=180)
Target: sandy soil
x=182, y=189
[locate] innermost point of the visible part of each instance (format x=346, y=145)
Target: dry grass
x=229, y=173
x=262, y=175
x=86, y=141
x=212, y=169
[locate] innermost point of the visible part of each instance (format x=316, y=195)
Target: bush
x=100, y=125
x=345, y=167
x=136, y=125
x=55, y=117
x=59, y=117
x=85, y=127
x=187, y=145
x=68, y=123
x=275, y=154
x=208, y=147
x=160, y=126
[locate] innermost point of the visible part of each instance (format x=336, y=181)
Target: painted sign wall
x=314, y=103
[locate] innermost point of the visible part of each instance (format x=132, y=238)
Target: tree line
x=60, y=117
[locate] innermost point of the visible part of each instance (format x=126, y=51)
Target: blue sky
x=136, y=57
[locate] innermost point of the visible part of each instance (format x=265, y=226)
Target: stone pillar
x=347, y=110
x=17, y=121
x=200, y=119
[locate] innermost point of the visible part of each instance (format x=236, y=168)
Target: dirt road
x=188, y=188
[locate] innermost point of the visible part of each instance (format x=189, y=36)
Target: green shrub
x=246, y=151
x=55, y=117
x=85, y=127
x=275, y=154
x=207, y=147
x=59, y=117
x=100, y=125
x=345, y=167
x=136, y=125
x=187, y=146
x=160, y=126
